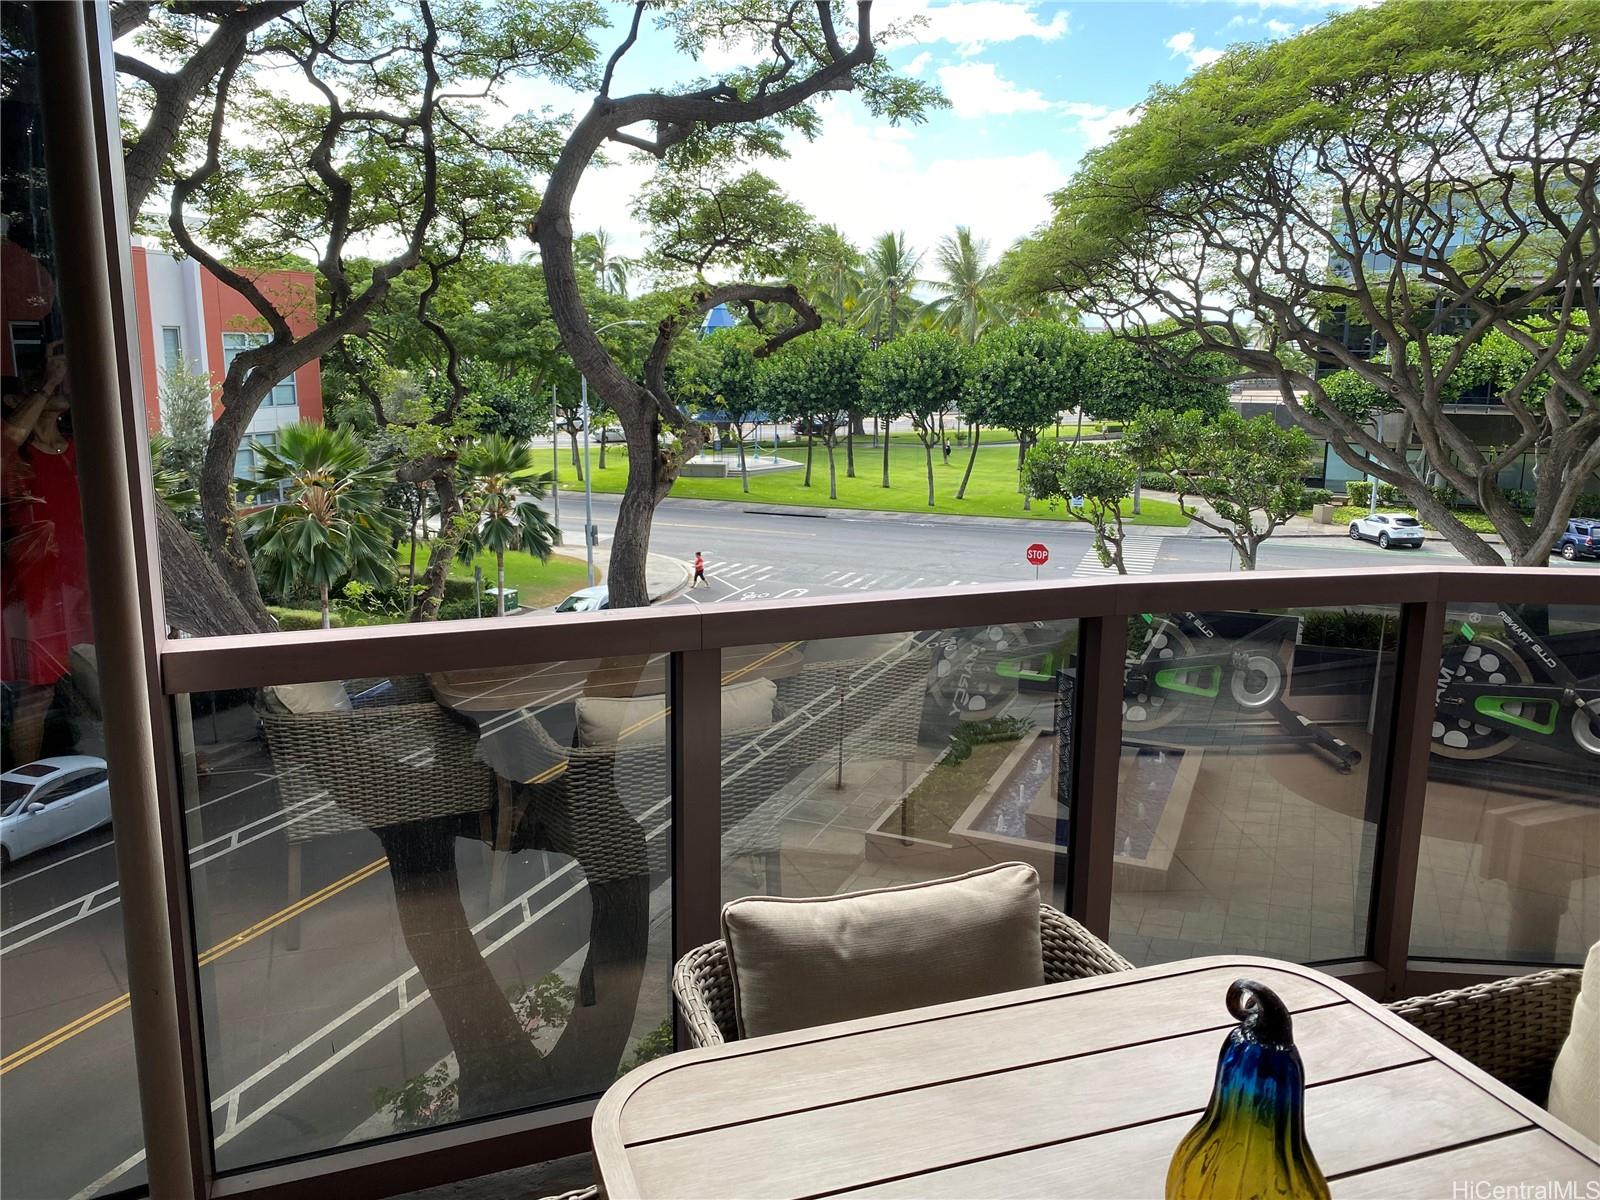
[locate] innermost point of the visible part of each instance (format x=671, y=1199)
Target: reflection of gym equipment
x=1494, y=694
x=1173, y=670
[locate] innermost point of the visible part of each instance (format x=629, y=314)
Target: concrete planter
x=1322, y=514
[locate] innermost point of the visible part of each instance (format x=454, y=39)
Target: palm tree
x=835, y=279
x=330, y=521
x=965, y=304
x=172, y=484
x=887, y=308
x=594, y=252
x=500, y=479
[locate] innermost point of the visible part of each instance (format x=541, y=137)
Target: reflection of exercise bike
x=1494, y=694
x=1181, y=665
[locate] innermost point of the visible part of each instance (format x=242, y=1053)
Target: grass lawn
x=539, y=585
x=1475, y=521
x=992, y=492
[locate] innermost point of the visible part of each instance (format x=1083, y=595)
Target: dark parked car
x=1581, y=540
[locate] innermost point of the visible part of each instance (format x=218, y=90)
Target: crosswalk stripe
x=1138, y=555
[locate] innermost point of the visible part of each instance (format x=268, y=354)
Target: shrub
x=1587, y=505
x=1358, y=492
x=1389, y=494
x=458, y=589
x=1445, y=494
x=1347, y=629
x=462, y=610
x=1521, y=499
x=289, y=619
x=1319, y=495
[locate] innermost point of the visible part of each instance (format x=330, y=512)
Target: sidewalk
x=1301, y=527
x=917, y=518
x=665, y=576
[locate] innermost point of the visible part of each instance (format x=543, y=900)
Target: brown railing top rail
x=208, y=664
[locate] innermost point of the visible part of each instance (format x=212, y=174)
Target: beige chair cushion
x=329, y=696
x=803, y=962
x=1575, y=1082
x=855, y=649
x=603, y=721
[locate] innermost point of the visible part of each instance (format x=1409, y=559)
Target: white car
x=46, y=802
x=1388, y=529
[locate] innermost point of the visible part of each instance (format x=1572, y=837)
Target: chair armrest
x=1511, y=1028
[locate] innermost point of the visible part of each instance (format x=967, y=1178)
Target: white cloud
x=1182, y=46
x=866, y=178
x=978, y=90
x=1281, y=28
x=1096, y=122
x=971, y=25
x=919, y=64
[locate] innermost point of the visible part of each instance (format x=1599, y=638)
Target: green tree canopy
x=1418, y=169
x=1093, y=482
x=1120, y=377
x=1236, y=468
x=921, y=376
x=816, y=382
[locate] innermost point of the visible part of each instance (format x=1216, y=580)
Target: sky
x=1032, y=85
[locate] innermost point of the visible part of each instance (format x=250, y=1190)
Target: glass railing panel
x=863, y=762
x=69, y=1120
x=1249, y=788
x=422, y=900
x=1509, y=864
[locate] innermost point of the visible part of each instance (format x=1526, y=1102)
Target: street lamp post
x=588, y=489
x=555, y=467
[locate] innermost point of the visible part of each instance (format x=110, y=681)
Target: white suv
x=1388, y=529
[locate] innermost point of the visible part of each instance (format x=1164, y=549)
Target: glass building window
x=235, y=344
x=172, y=347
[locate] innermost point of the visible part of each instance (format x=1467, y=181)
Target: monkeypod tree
x=817, y=383
x=386, y=140
x=797, y=55
x=1023, y=376
x=920, y=375
x=1404, y=172
x=1248, y=474
x=1093, y=482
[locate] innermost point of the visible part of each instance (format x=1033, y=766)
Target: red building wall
x=292, y=293
x=223, y=309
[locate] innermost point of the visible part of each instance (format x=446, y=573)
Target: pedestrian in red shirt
x=699, y=570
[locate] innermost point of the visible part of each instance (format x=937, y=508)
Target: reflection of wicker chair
x=600, y=803
x=703, y=982
x=1511, y=1028
x=395, y=756
x=869, y=706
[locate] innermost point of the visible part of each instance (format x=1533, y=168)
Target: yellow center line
x=112, y=1007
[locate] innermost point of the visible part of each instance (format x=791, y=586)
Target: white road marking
x=231, y=841
x=1139, y=555
x=228, y=1104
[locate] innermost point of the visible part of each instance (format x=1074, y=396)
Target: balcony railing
x=500, y=833
x=479, y=851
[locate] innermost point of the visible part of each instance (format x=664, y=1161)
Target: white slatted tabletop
x=1072, y=1089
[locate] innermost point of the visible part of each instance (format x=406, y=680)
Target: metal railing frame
x=85, y=163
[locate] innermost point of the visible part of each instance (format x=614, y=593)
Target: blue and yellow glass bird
x=1251, y=1142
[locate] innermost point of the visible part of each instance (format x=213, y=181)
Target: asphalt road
x=300, y=1034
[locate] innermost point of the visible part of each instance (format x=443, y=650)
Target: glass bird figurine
x=1251, y=1142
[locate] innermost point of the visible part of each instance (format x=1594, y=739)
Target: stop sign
x=1038, y=554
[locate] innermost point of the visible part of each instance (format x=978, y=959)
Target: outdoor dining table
x=1072, y=1089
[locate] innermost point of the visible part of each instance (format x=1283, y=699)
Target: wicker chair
x=703, y=983
x=1511, y=1028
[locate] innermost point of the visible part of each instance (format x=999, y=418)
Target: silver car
x=49, y=801
x=1388, y=529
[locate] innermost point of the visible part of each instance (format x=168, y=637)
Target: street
x=312, y=1002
